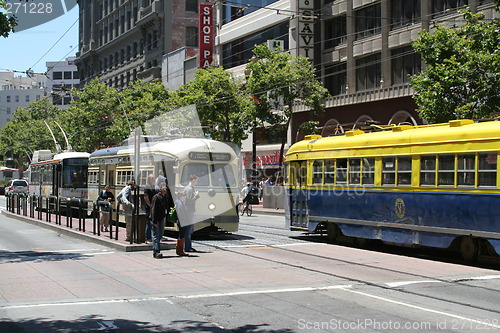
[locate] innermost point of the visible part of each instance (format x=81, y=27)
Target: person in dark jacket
x=105, y=195
x=160, y=207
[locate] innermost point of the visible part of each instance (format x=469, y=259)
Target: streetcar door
x=298, y=195
x=56, y=182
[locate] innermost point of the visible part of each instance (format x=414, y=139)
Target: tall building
x=125, y=40
x=361, y=50
x=62, y=77
x=18, y=91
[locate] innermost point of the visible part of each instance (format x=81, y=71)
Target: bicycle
x=242, y=208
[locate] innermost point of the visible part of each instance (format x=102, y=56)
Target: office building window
x=440, y=7
x=335, y=31
x=76, y=75
x=404, y=12
x=368, y=21
x=238, y=8
x=336, y=78
x=67, y=75
x=8, y=99
x=27, y=99
x=240, y=50
x=57, y=75
x=368, y=72
x=191, y=36
x=405, y=62
x=192, y=6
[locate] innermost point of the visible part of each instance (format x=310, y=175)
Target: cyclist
x=247, y=193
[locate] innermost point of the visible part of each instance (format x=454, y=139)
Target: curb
x=116, y=245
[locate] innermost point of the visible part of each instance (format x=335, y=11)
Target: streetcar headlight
x=211, y=206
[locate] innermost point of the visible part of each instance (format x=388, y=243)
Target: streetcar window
x=341, y=171
x=487, y=169
x=75, y=173
x=404, y=170
x=35, y=176
x=317, y=172
x=222, y=175
x=329, y=171
x=354, y=171
x=93, y=177
x=466, y=169
x=446, y=169
x=368, y=172
x=143, y=177
x=47, y=175
x=199, y=169
x=388, y=170
x=123, y=177
x=428, y=170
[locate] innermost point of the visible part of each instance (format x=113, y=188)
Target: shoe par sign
x=30, y=13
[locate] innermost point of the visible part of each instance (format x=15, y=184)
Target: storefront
x=267, y=165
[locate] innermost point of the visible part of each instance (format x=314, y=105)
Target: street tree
x=89, y=116
x=279, y=81
x=138, y=103
x=7, y=23
x=224, y=108
x=27, y=131
x=462, y=78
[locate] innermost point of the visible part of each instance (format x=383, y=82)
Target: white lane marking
x=484, y=277
x=83, y=302
x=451, y=315
x=252, y=292
x=404, y=283
x=106, y=325
x=295, y=244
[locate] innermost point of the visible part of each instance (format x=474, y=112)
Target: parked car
x=17, y=186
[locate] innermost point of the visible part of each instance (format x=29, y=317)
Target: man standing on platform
x=160, y=207
x=149, y=193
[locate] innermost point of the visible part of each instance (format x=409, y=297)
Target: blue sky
x=26, y=49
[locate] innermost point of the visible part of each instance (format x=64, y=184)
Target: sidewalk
x=84, y=230
x=268, y=211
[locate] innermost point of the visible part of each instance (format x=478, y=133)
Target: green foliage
x=27, y=132
x=89, y=116
x=462, y=79
x=140, y=102
x=278, y=81
x=7, y=24
x=223, y=108
x=309, y=127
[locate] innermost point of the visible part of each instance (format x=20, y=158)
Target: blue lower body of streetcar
x=423, y=218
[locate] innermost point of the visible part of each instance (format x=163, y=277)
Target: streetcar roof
x=456, y=131
x=175, y=147
x=63, y=156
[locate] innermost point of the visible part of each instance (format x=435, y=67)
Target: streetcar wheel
x=333, y=232
x=469, y=248
x=249, y=210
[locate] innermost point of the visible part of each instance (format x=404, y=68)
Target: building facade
x=125, y=40
x=62, y=77
x=361, y=50
x=18, y=91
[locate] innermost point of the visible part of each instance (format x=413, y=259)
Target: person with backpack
x=105, y=195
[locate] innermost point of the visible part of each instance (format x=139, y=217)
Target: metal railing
x=54, y=209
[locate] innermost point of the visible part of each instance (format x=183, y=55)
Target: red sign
x=206, y=36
